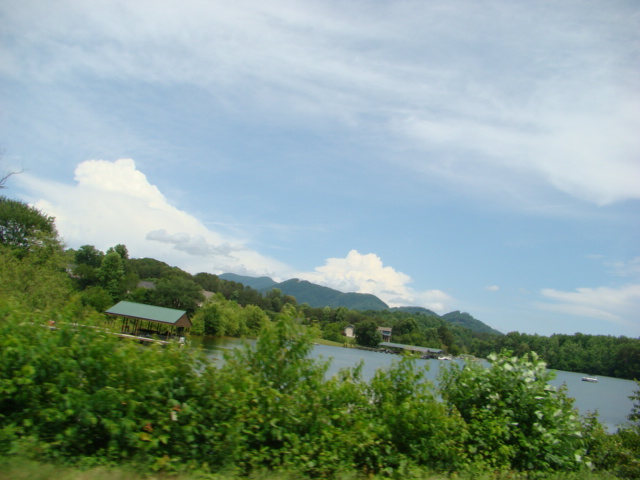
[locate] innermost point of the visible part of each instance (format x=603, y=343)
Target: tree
x=177, y=292
x=255, y=318
x=89, y=255
x=5, y=177
x=97, y=297
x=445, y=335
x=24, y=228
x=149, y=268
x=405, y=327
x=112, y=276
x=367, y=334
x=208, y=281
x=121, y=250
x=85, y=276
x=333, y=333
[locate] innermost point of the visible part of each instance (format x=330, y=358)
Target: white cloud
x=367, y=274
x=193, y=245
x=492, y=288
x=482, y=93
x=618, y=306
x=113, y=203
x=629, y=268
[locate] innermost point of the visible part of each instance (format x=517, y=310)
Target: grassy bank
x=19, y=468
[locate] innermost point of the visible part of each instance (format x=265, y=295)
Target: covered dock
x=425, y=352
x=149, y=322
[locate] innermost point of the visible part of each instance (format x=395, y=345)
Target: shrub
x=516, y=420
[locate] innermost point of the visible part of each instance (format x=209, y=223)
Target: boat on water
x=589, y=378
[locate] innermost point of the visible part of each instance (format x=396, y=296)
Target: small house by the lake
x=386, y=333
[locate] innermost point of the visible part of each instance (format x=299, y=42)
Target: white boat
x=589, y=378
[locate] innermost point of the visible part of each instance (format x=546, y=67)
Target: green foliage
x=149, y=268
x=112, y=276
x=74, y=393
x=221, y=317
x=98, y=298
x=515, y=418
x=367, y=334
x=89, y=255
x=593, y=354
x=634, y=416
x=177, y=292
x=333, y=332
x=414, y=424
x=25, y=228
x=78, y=394
x=33, y=280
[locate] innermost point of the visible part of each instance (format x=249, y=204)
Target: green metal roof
x=151, y=313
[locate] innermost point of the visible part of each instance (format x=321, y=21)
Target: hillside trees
x=177, y=292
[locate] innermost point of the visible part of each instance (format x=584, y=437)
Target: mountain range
x=318, y=296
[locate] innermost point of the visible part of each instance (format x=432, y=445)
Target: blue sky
x=480, y=156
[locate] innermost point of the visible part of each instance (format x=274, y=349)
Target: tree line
x=233, y=309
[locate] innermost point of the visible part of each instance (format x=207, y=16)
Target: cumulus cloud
x=367, y=274
x=612, y=305
x=113, y=202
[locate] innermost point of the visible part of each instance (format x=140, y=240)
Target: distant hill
x=466, y=320
x=424, y=311
x=318, y=296
x=261, y=284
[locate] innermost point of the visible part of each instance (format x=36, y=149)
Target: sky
x=472, y=155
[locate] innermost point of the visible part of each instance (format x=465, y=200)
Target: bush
x=516, y=420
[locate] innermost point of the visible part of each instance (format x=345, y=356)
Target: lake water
x=610, y=396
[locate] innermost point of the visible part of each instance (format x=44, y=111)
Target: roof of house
x=410, y=347
x=151, y=313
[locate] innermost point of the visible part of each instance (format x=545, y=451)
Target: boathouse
x=149, y=322
x=423, y=351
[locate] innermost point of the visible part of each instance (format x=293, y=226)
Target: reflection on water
x=609, y=397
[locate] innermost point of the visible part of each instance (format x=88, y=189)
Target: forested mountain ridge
x=318, y=296
x=262, y=284
x=312, y=294
x=466, y=320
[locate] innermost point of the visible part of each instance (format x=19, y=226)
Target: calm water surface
x=609, y=397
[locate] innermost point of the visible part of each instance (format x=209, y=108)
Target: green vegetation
x=74, y=395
